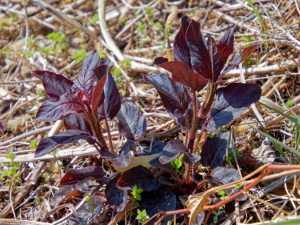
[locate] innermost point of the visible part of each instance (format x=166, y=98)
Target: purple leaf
x=55, y=85
x=231, y=102
x=214, y=150
x=116, y=197
x=74, y=176
x=215, y=58
x=87, y=79
x=175, y=97
x=98, y=95
x=52, y=110
x=225, y=45
x=75, y=121
x=183, y=73
x=246, y=52
x=112, y=100
x=162, y=199
x=69, y=136
x=132, y=122
x=180, y=48
x=139, y=176
x=200, y=59
x=122, y=159
x=173, y=149
x=225, y=175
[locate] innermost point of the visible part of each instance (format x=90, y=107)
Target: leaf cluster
x=86, y=104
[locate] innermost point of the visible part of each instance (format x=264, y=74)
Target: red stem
x=193, y=129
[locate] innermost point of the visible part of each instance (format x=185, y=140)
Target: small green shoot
x=125, y=64
x=141, y=27
x=222, y=194
x=46, y=176
x=289, y=103
x=37, y=201
x=11, y=173
x=102, y=53
x=93, y=20
x=79, y=55
x=57, y=37
x=142, y=216
x=33, y=144
x=149, y=11
x=136, y=193
x=177, y=163
x=159, y=26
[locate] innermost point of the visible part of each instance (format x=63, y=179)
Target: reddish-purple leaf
x=173, y=149
x=55, y=85
x=74, y=176
x=87, y=79
x=139, y=176
x=112, y=100
x=180, y=48
x=69, y=136
x=231, y=102
x=215, y=58
x=76, y=121
x=246, y=52
x=183, y=73
x=175, y=97
x=132, y=122
x=98, y=95
x=225, y=45
x=200, y=59
x=116, y=197
x=214, y=150
x=162, y=199
x=52, y=110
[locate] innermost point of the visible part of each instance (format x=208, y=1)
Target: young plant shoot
x=87, y=104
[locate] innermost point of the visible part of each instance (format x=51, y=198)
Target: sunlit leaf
x=55, y=85
x=132, y=122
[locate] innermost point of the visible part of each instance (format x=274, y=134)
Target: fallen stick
x=280, y=67
x=20, y=222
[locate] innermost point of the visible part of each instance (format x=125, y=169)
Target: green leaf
x=284, y=146
x=10, y=155
x=79, y=55
x=149, y=11
x=33, y=144
x=136, y=193
x=159, y=26
x=94, y=19
x=125, y=64
x=46, y=176
x=177, y=163
x=289, y=103
x=142, y=216
x=57, y=37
